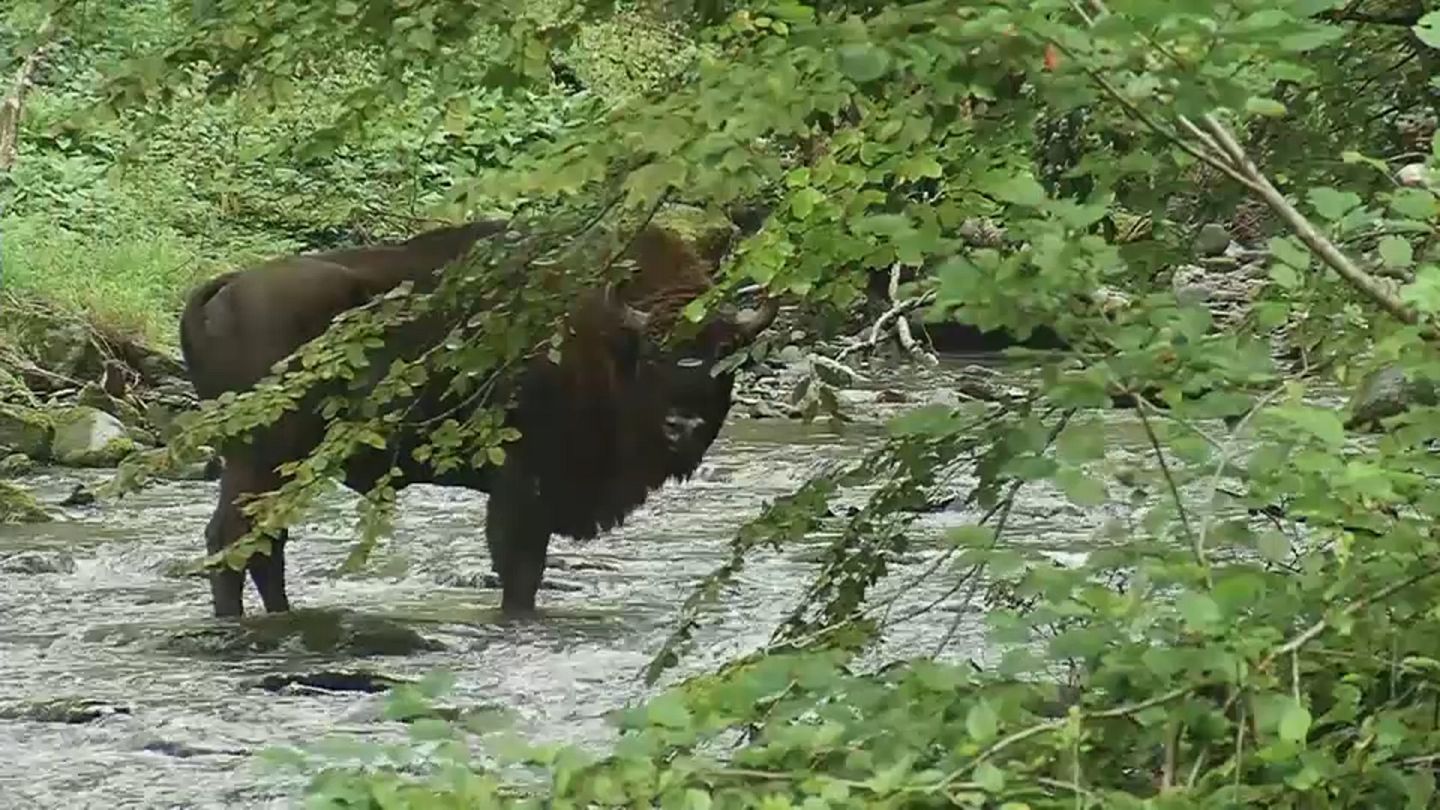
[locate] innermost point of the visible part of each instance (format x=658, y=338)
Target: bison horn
x=632, y=318
x=749, y=325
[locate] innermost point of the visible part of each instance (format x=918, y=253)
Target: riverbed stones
x=19, y=506
x=25, y=430
x=90, y=437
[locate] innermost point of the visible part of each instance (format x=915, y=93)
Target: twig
x=902, y=328
x=14, y=104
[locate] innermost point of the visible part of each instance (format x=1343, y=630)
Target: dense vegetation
x=1256, y=630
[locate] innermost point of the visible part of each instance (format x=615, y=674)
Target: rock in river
x=90, y=437
x=1387, y=392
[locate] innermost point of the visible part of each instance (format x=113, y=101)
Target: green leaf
x=1424, y=292
x=863, y=62
x=1017, y=190
x=1289, y=250
x=668, y=710
x=921, y=165
x=1322, y=423
x=1081, y=488
x=1081, y=442
x=1199, y=610
x=1395, y=251
x=1294, y=722
x=981, y=722
x=1427, y=29
x=1285, y=276
x=990, y=778
x=1413, y=203
x=803, y=201
x=1275, y=545
x=1268, y=107
x=1332, y=204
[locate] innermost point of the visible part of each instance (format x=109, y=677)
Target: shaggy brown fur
x=617, y=417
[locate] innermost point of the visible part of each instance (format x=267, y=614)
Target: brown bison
x=613, y=420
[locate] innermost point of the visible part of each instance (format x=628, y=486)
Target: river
x=188, y=720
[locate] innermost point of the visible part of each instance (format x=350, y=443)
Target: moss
x=26, y=430
x=19, y=506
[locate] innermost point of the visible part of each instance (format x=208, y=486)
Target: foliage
x=1259, y=627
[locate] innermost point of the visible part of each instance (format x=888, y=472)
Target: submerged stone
x=328, y=681
x=38, y=562
x=61, y=710
x=303, y=631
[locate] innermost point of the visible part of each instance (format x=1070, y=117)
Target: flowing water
x=189, y=719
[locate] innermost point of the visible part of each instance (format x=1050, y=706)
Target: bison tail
x=192, y=320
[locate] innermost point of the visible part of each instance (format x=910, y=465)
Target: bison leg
x=518, y=536
x=267, y=571
x=228, y=525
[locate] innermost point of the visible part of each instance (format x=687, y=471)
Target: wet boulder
x=25, y=430
x=1385, y=392
x=327, y=681
x=38, y=562
x=93, y=396
x=16, y=465
x=72, y=711
x=90, y=437
x=19, y=506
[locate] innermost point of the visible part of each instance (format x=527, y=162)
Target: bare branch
x=13, y=105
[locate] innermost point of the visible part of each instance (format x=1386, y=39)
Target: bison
x=616, y=417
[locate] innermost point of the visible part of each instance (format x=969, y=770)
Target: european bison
x=618, y=416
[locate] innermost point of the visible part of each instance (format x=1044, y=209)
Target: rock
x=89, y=437
x=61, y=710
x=1211, y=240
x=486, y=580
x=1414, y=175
x=161, y=417
x=93, y=396
x=327, y=681
x=38, y=562
x=66, y=349
x=19, y=506
x=25, y=430
x=1386, y=392
x=16, y=465
x=791, y=355
x=80, y=495
x=338, y=633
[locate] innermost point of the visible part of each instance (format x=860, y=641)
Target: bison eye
x=689, y=362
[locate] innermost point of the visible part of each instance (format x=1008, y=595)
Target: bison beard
x=614, y=420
